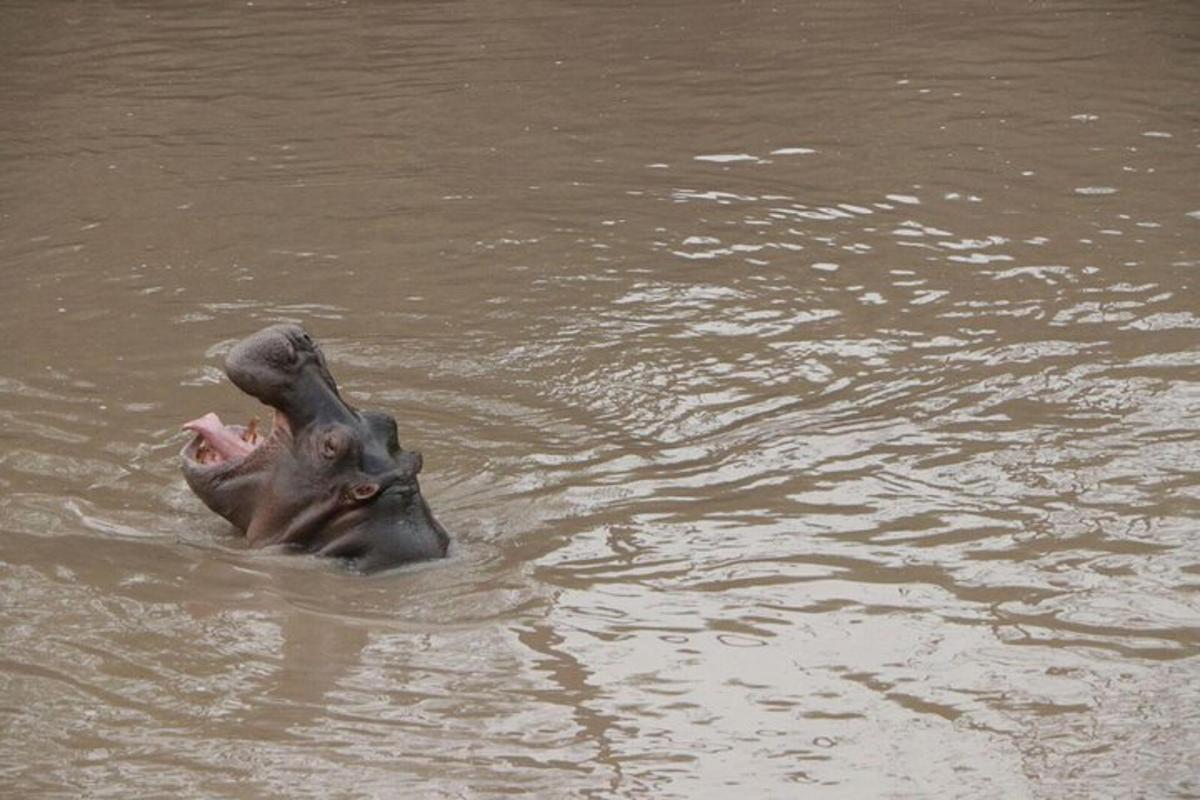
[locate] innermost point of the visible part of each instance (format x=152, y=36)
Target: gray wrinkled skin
x=327, y=479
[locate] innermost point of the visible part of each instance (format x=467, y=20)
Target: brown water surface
x=812, y=391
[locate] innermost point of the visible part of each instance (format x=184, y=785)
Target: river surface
x=811, y=390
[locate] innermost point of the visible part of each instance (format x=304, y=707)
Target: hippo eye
x=332, y=445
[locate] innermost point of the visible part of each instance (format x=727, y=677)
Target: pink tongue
x=226, y=442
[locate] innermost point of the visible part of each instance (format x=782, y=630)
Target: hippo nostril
x=299, y=341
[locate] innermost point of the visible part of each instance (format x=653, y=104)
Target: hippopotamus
x=326, y=478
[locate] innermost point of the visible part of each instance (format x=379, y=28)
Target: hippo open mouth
x=326, y=478
x=219, y=444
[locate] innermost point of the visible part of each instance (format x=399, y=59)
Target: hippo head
x=326, y=478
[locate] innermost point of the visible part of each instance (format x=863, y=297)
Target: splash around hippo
x=326, y=478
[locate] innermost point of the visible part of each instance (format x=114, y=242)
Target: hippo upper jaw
x=282, y=367
x=230, y=466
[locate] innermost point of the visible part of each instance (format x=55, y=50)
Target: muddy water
x=812, y=391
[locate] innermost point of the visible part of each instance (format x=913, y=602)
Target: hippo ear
x=364, y=491
x=409, y=463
